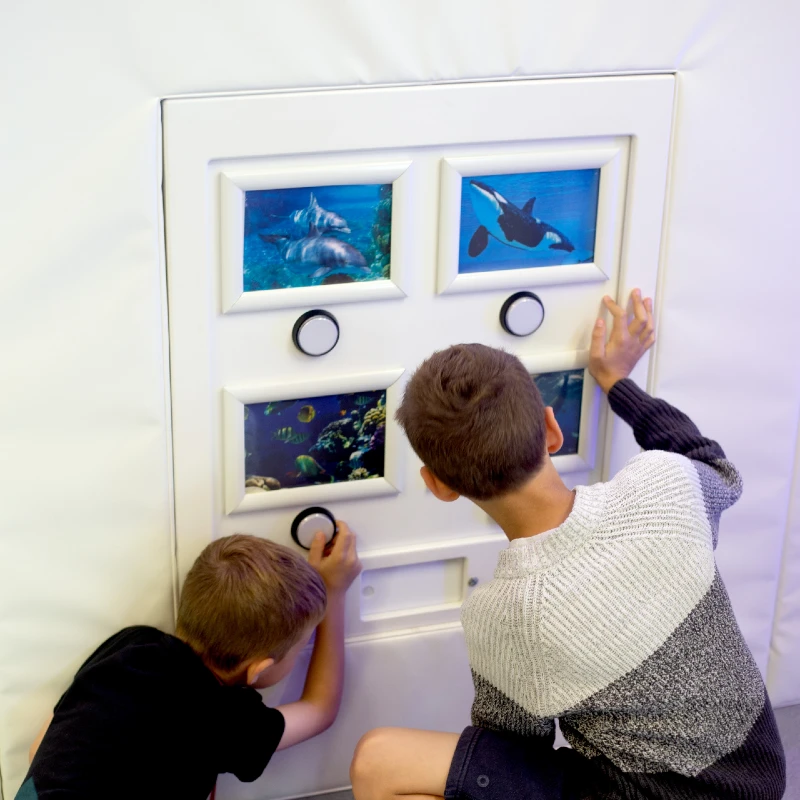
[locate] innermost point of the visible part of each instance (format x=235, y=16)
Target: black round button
x=315, y=333
x=311, y=520
x=522, y=314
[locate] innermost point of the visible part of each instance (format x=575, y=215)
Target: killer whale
x=509, y=224
x=327, y=252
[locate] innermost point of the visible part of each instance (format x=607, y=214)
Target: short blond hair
x=247, y=597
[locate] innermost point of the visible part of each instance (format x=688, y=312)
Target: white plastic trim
x=234, y=184
x=235, y=398
x=610, y=155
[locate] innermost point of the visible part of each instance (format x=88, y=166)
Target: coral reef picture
x=531, y=219
x=319, y=235
x=316, y=440
x=563, y=391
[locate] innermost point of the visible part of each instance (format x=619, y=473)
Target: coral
x=379, y=437
x=358, y=474
x=379, y=251
x=336, y=439
x=260, y=482
x=373, y=418
x=374, y=454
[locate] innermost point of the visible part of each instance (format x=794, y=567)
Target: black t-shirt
x=145, y=717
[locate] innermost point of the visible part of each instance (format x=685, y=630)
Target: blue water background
x=563, y=391
x=565, y=199
x=269, y=211
x=266, y=456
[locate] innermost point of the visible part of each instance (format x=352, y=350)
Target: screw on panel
x=472, y=582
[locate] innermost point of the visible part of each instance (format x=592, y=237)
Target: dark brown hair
x=475, y=417
x=247, y=597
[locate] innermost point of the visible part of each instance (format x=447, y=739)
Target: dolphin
x=327, y=252
x=324, y=220
x=515, y=227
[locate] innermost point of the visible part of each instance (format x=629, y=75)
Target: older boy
x=155, y=715
x=606, y=611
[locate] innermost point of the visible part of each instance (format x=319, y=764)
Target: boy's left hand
x=341, y=566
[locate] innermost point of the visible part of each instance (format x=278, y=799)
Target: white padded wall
x=783, y=676
x=85, y=535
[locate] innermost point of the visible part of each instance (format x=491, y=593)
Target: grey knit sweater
x=617, y=623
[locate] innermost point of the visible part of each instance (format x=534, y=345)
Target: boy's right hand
x=611, y=362
x=340, y=567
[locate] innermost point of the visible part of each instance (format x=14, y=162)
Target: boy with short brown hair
x=155, y=715
x=606, y=611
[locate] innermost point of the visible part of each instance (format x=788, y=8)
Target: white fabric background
x=85, y=533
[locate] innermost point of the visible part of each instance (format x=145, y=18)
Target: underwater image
x=564, y=392
x=315, y=236
x=291, y=443
x=530, y=219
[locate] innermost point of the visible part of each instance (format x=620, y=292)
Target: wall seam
x=165, y=340
x=794, y=487
x=415, y=84
x=1, y=779
x=666, y=219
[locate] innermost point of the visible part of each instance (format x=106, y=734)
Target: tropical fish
x=362, y=400
x=277, y=408
x=307, y=413
x=512, y=226
x=308, y=466
x=289, y=436
x=324, y=220
x=343, y=412
x=326, y=252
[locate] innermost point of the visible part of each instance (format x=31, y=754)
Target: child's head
x=476, y=419
x=248, y=606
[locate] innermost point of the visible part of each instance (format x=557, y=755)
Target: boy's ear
x=439, y=490
x=256, y=668
x=554, y=438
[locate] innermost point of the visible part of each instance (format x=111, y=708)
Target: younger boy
x=160, y=716
x=606, y=611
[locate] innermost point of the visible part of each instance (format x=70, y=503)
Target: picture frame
x=609, y=155
x=234, y=400
x=233, y=187
x=584, y=460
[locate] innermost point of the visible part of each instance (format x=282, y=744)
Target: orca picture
x=316, y=235
x=531, y=219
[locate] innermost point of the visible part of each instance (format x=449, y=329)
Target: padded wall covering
x=85, y=514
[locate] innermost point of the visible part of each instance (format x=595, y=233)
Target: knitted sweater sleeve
x=659, y=426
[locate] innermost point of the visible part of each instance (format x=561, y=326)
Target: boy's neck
x=226, y=678
x=542, y=504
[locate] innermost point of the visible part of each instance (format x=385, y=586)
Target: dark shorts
x=488, y=765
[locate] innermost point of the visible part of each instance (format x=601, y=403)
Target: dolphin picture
x=325, y=221
x=510, y=225
x=327, y=252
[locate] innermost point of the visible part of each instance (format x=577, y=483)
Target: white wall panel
x=85, y=539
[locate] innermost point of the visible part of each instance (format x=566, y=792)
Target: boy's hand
x=341, y=566
x=629, y=341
